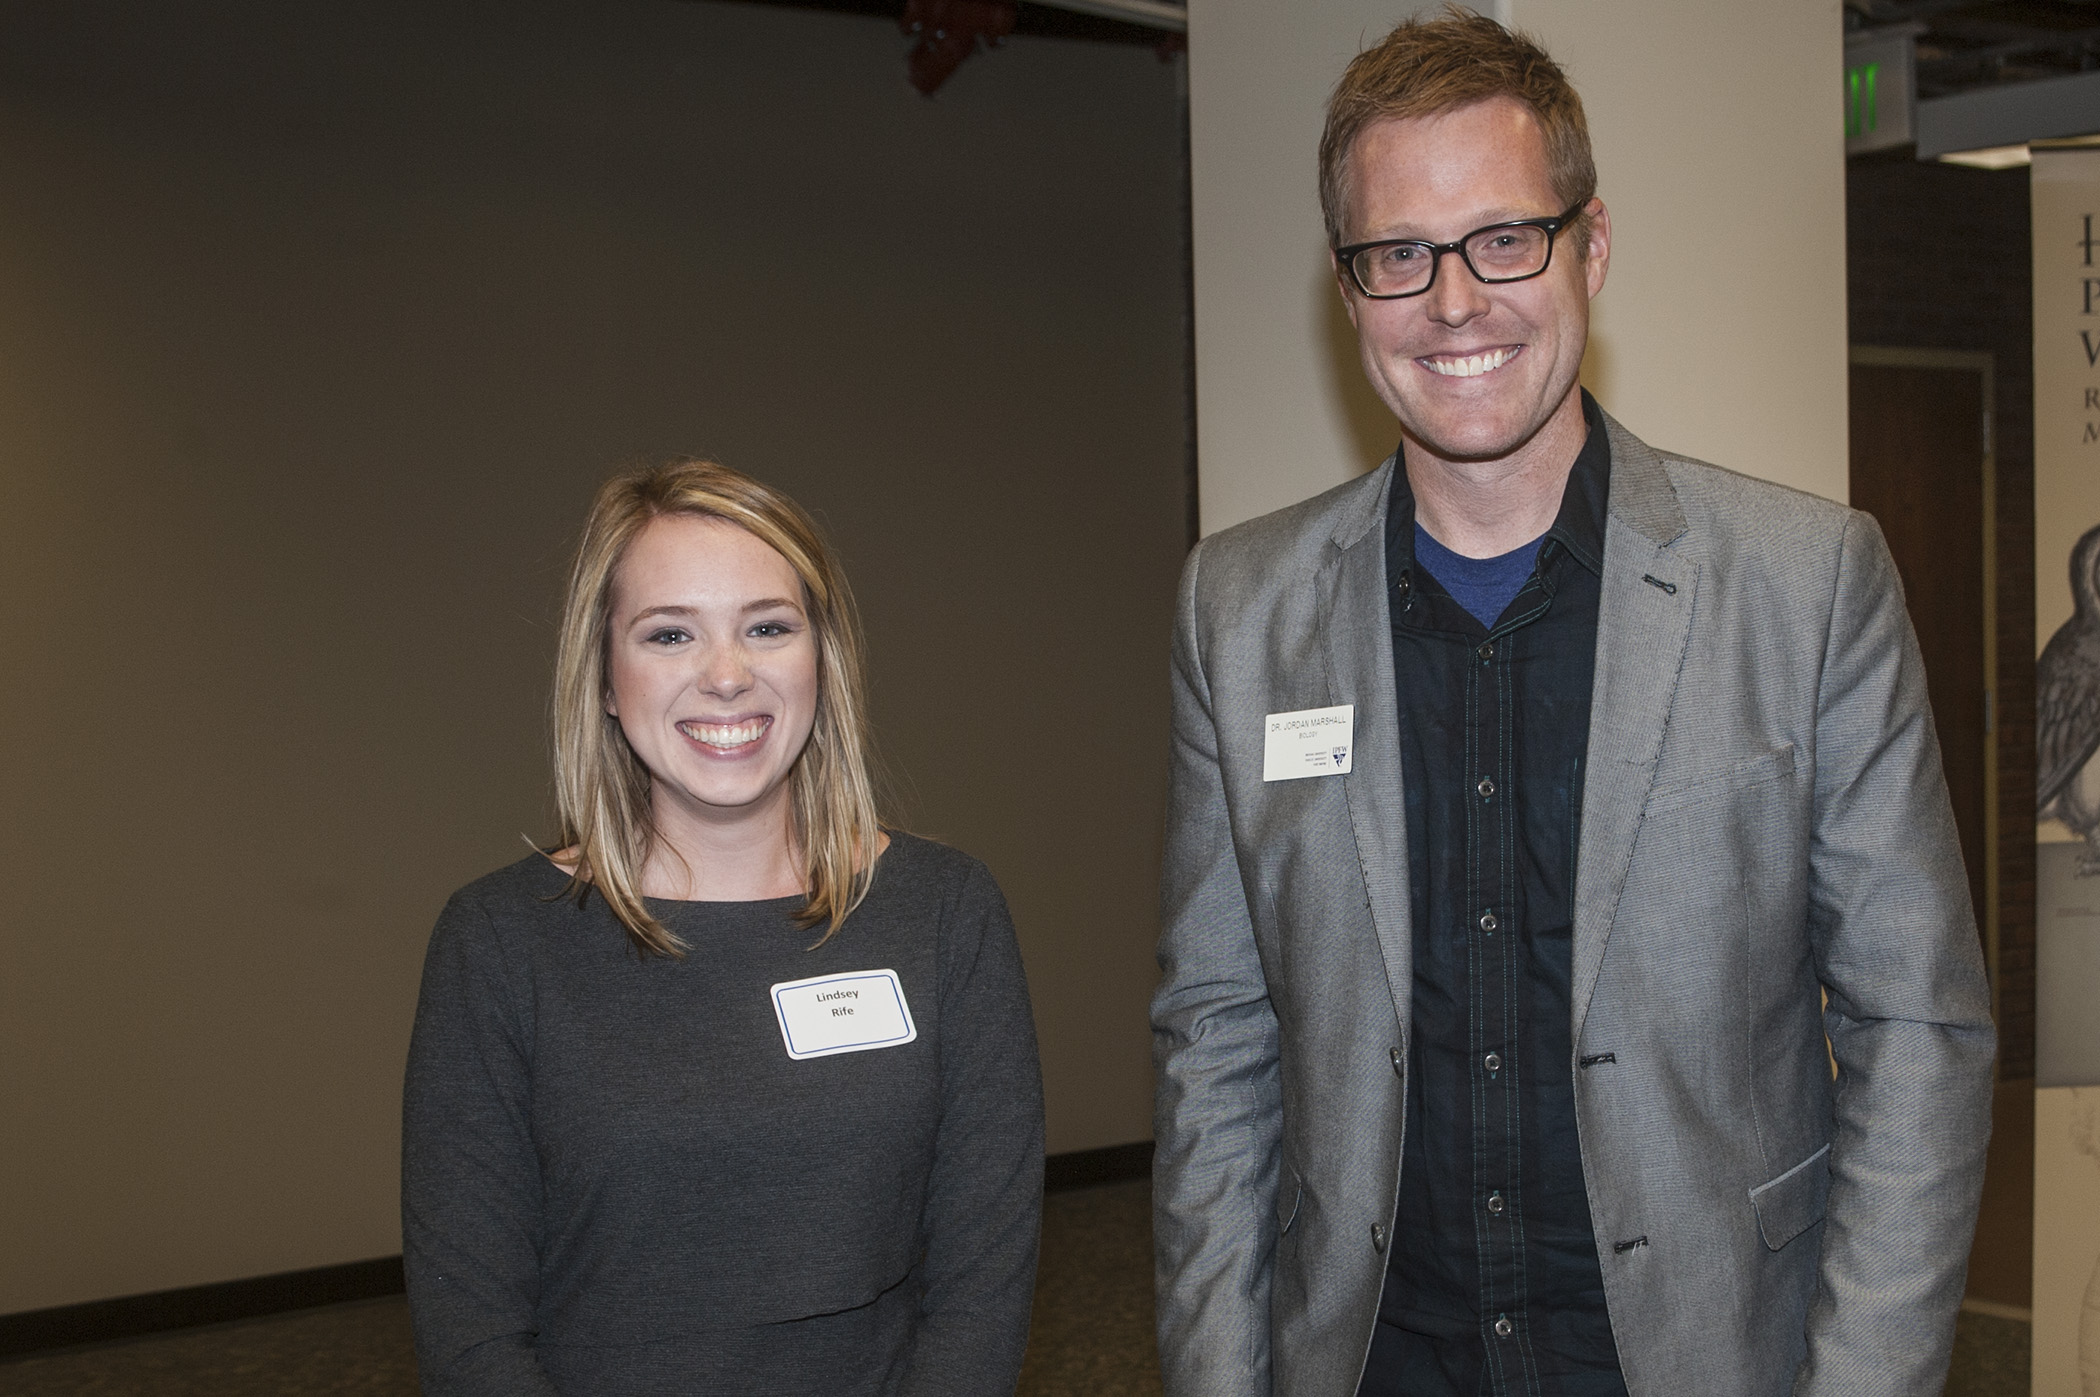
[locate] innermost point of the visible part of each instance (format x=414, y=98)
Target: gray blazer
x=1764, y=817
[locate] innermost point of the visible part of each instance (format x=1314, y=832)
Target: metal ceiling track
x=1155, y=14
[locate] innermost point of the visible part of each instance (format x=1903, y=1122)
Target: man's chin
x=1470, y=443
x=1476, y=433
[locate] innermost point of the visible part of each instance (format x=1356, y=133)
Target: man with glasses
x=1530, y=798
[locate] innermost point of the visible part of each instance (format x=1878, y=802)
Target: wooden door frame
x=1980, y=363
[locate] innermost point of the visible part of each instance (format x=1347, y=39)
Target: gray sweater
x=616, y=1181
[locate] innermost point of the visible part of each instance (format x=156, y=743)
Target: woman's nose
x=727, y=671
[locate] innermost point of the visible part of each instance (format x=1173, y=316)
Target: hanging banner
x=2066, y=210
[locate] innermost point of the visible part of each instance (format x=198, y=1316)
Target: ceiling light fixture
x=1989, y=157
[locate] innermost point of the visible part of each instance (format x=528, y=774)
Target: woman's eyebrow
x=647, y=612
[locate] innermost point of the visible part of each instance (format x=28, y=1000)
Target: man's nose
x=1456, y=296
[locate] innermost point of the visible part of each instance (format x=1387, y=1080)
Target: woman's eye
x=669, y=635
x=770, y=629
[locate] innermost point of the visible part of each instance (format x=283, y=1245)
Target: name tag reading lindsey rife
x=847, y=1013
x=1310, y=742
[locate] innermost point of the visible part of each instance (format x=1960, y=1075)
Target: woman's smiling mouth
x=726, y=737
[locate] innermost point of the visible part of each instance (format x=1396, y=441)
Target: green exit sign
x=1878, y=88
x=1862, y=110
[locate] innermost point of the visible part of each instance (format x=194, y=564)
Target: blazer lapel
x=1355, y=620
x=1644, y=618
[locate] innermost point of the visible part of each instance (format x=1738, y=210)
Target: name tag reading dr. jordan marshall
x=847, y=1013
x=1310, y=742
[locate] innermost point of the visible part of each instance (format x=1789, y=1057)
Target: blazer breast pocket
x=1722, y=779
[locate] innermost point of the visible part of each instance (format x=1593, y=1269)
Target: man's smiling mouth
x=1469, y=366
x=726, y=736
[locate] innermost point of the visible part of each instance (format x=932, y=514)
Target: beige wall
x=1720, y=151
x=1721, y=332
x=317, y=327
x=1282, y=409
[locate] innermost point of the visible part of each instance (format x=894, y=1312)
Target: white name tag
x=847, y=1013
x=1310, y=742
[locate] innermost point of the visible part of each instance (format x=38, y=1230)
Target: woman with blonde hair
x=734, y=1091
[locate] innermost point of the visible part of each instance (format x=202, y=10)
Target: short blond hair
x=601, y=787
x=1427, y=67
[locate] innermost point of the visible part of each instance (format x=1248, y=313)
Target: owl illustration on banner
x=2067, y=710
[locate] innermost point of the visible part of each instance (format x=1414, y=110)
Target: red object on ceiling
x=948, y=31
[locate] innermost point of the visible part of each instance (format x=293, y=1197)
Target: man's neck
x=1483, y=509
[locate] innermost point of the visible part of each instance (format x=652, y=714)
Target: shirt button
x=1486, y=652
x=1399, y=1062
x=1486, y=788
x=1493, y=1062
x=1503, y=1328
x=1378, y=1236
x=1488, y=922
x=1495, y=1203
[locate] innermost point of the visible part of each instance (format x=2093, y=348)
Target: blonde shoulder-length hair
x=601, y=787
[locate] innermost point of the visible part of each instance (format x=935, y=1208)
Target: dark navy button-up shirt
x=1494, y=1284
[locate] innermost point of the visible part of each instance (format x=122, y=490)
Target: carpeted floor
x=1092, y=1331
x=1092, y=1335
x=361, y=1348
x=1990, y=1357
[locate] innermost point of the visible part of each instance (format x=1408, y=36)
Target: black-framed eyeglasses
x=1500, y=252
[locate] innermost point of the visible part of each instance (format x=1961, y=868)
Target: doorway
x=1922, y=466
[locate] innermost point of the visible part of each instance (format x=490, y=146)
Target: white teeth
x=1471, y=367
x=725, y=735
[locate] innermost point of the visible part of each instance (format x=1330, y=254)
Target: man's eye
x=1403, y=254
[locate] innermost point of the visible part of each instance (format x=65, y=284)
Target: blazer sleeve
x=1218, y=1111
x=470, y=1182
x=984, y=1202
x=1908, y=1013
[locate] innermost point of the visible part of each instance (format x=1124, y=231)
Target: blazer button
x=1399, y=1062
x=1378, y=1237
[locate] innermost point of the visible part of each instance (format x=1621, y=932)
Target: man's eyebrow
x=1488, y=220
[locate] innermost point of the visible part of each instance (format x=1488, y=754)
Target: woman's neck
x=742, y=856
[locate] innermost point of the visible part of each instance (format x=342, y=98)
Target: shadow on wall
x=1372, y=431
x=1598, y=361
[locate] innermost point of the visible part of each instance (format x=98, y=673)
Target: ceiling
x=1963, y=45
x=1046, y=20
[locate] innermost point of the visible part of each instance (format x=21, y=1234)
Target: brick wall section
x=1938, y=257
